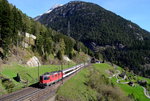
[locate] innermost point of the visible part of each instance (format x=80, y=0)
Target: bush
x=106, y=91
x=8, y=84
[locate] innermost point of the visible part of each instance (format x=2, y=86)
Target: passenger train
x=52, y=77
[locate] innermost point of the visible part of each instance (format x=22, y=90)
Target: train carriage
x=52, y=77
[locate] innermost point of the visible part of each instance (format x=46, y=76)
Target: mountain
x=15, y=27
x=25, y=43
x=119, y=40
x=55, y=6
x=89, y=22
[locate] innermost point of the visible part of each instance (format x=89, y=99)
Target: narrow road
x=146, y=92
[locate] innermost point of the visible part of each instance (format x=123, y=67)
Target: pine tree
x=5, y=23
x=16, y=26
x=62, y=46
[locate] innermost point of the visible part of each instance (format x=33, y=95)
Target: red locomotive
x=50, y=78
x=53, y=77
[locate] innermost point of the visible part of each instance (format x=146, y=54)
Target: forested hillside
x=119, y=40
x=13, y=26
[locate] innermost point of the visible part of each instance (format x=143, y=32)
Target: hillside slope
x=119, y=40
x=99, y=82
x=91, y=23
x=17, y=29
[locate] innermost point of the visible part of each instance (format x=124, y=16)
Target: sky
x=136, y=11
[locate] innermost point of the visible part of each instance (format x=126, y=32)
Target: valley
x=81, y=91
x=100, y=55
x=110, y=36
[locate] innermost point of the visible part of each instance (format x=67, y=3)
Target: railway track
x=35, y=94
x=17, y=94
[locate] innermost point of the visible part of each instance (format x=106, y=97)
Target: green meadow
x=29, y=75
x=137, y=90
x=75, y=88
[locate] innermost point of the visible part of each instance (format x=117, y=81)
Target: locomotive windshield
x=46, y=78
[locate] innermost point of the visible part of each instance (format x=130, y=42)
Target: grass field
x=75, y=89
x=137, y=91
x=27, y=74
x=11, y=71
